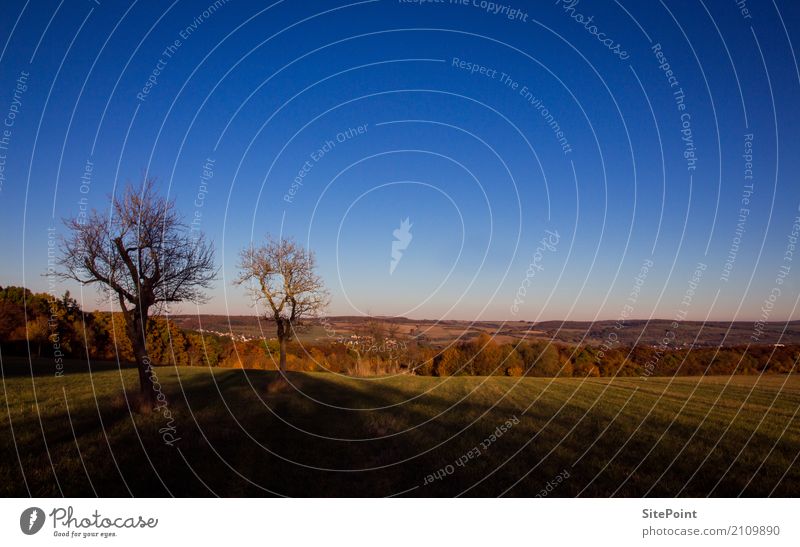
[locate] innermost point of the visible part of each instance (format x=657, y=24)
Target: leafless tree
x=142, y=255
x=281, y=273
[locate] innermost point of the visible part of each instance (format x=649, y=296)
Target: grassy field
x=719, y=436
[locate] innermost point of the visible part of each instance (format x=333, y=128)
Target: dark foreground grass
x=719, y=436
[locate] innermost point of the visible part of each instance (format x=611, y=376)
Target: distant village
x=355, y=341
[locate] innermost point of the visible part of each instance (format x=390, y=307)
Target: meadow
x=234, y=433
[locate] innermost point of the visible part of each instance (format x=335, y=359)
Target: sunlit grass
x=345, y=436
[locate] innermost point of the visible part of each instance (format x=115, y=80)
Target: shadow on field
x=331, y=436
x=15, y=367
x=226, y=432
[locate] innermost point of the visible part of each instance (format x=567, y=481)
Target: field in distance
x=441, y=333
x=425, y=436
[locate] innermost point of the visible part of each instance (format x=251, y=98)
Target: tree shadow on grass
x=236, y=437
x=303, y=447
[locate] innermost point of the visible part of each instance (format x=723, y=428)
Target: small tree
x=281, y=273
x=38, y=332
x=144, y=256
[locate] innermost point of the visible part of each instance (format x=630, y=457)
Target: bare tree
x=281, y=273
x=144, y=256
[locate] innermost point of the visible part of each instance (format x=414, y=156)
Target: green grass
x=73, y=435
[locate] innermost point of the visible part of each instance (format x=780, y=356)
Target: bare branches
x=142, y=252
x=145, y=256
x=281, y=273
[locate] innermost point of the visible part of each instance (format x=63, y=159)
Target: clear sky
x=631, y=130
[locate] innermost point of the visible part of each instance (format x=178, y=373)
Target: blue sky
x=473, y=159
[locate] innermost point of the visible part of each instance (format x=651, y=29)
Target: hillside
x=714, y=333
x=231, y=435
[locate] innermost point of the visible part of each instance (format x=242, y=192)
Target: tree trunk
x=137, y=333
x=283, y=335
x=282, y=341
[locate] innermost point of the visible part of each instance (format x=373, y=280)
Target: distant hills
x=687, y=334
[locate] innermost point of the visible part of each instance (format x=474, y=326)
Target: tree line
x=59, y=325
